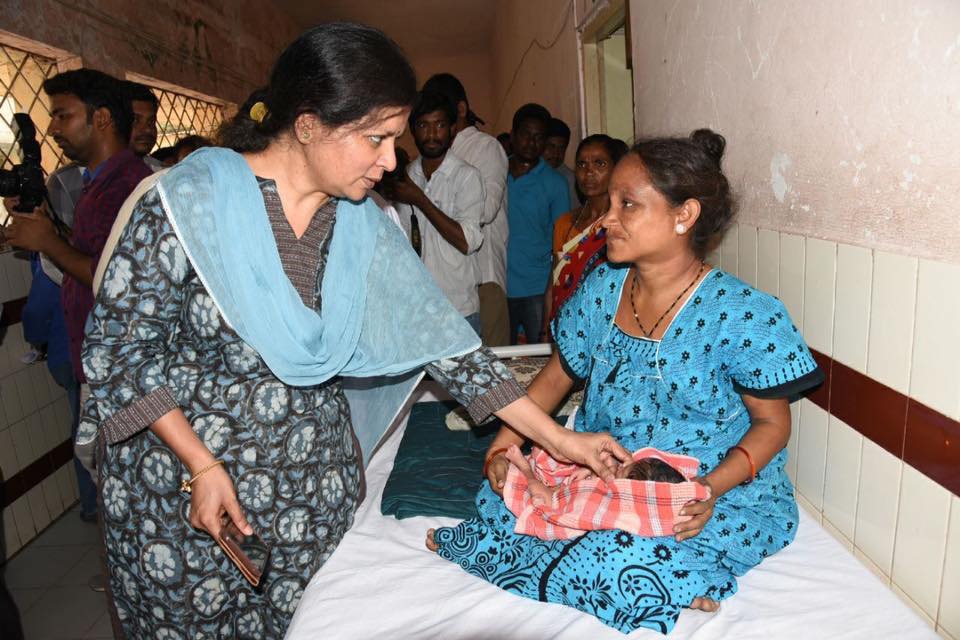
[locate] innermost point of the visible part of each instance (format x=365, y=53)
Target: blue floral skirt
x=626, y=581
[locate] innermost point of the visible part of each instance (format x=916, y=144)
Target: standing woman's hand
x=599, y=451
x=212, y=495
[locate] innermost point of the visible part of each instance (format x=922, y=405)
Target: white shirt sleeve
x=492, y=164
x=468, y=207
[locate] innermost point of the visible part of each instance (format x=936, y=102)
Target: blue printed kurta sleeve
x=127, y=333
x=771, y=358
x=479, y=381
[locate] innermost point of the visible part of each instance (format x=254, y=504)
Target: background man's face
x=554, y=150
x=431, y=132
x=143, y=136
x=71, y=126
x=528, y=139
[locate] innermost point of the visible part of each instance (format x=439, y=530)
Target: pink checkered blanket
x=584, y=502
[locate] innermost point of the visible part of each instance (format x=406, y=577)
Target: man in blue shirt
x=537, y=196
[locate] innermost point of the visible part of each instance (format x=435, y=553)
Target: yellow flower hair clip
x=258, y=112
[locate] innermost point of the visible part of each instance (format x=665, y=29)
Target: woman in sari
x=247, y=283
x=578, y=238
x=675, y=355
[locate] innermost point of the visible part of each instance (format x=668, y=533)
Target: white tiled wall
x=894, y=318
x=34, y=418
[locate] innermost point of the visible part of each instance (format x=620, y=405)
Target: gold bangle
x=187, y=485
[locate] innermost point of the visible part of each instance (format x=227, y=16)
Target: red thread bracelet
x=753, y=466
x=493, y=454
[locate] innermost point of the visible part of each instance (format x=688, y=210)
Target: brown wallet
x=248, y=552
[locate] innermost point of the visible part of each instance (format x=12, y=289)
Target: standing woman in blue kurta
x=677, y=355
x=247, y=282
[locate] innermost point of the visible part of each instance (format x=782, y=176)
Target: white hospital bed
x=382, y=582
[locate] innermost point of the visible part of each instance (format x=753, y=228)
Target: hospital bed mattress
x=382, y=582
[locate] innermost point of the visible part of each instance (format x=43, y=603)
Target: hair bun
x=711, y=142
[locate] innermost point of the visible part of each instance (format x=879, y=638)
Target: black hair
x=97, y=90
x=191, y=144
x=503, y=136
x=164, y=153
x=614, y=147
x=531, y=111
x=450, y=86
x=339, y=71
x=654, y=470
x=558, y=129
x=140, y=93
x=430, y=101
x=689, y=168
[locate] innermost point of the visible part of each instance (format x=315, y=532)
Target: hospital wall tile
x=949, y=615
x=791, y=275
x=38, y=508
x=792, y=444
x=871, y=565
x=903, y=595
x=837, y=534
x=35, y=433
x=921, y=539
x=28, y=397
x=842, y=479
x=935, y=368
x=11, y=537
x=812, y=445
x=820, y=268
x=11, y=399
x=51, y=495
x=943, y=633
x=892, y=313
x=852, y=315
x=768, y=261
x=878, y=497
x=22, y=447
x=26, y=530
x=68, y=489
x=747, y=254
x=729, y=250
x=9, y=464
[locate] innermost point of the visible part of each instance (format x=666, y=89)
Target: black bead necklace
x=633, y=305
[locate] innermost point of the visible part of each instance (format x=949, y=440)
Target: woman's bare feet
x=703, y=604
x=431, y=543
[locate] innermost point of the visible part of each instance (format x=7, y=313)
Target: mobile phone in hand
x=248, y=552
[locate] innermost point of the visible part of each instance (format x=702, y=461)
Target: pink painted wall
x=221, y=49
x=840, y=117
x=545, y=76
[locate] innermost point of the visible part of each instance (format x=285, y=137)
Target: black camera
x=25, y=179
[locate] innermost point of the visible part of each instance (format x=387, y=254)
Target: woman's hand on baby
x=599, y=451
x=497, y=473
x=698, y=514
x=212, y=495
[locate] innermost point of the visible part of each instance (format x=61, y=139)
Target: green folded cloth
x=436, y=472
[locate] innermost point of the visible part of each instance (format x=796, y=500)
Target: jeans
x=63, y=375
x=526, y=312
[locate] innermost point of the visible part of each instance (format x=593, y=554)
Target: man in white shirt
x=447, y=198
x=484, y=152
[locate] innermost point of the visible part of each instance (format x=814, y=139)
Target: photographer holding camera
x=91, y=121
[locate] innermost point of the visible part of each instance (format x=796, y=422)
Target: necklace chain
x=576, y=221
x=633, y=305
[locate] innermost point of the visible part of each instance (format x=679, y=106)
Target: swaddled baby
x=554, y=500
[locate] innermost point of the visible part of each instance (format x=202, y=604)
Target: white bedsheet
x=382, y=582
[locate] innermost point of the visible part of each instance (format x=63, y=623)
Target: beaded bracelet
x=187, y=485
x=753, y=466
x=493, y=454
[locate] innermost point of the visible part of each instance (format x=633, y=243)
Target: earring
x=305, y=138
x=681, y=229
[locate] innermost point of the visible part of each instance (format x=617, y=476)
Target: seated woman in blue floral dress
x=676, y=355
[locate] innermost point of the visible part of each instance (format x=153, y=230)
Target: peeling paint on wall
x=778, y=181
